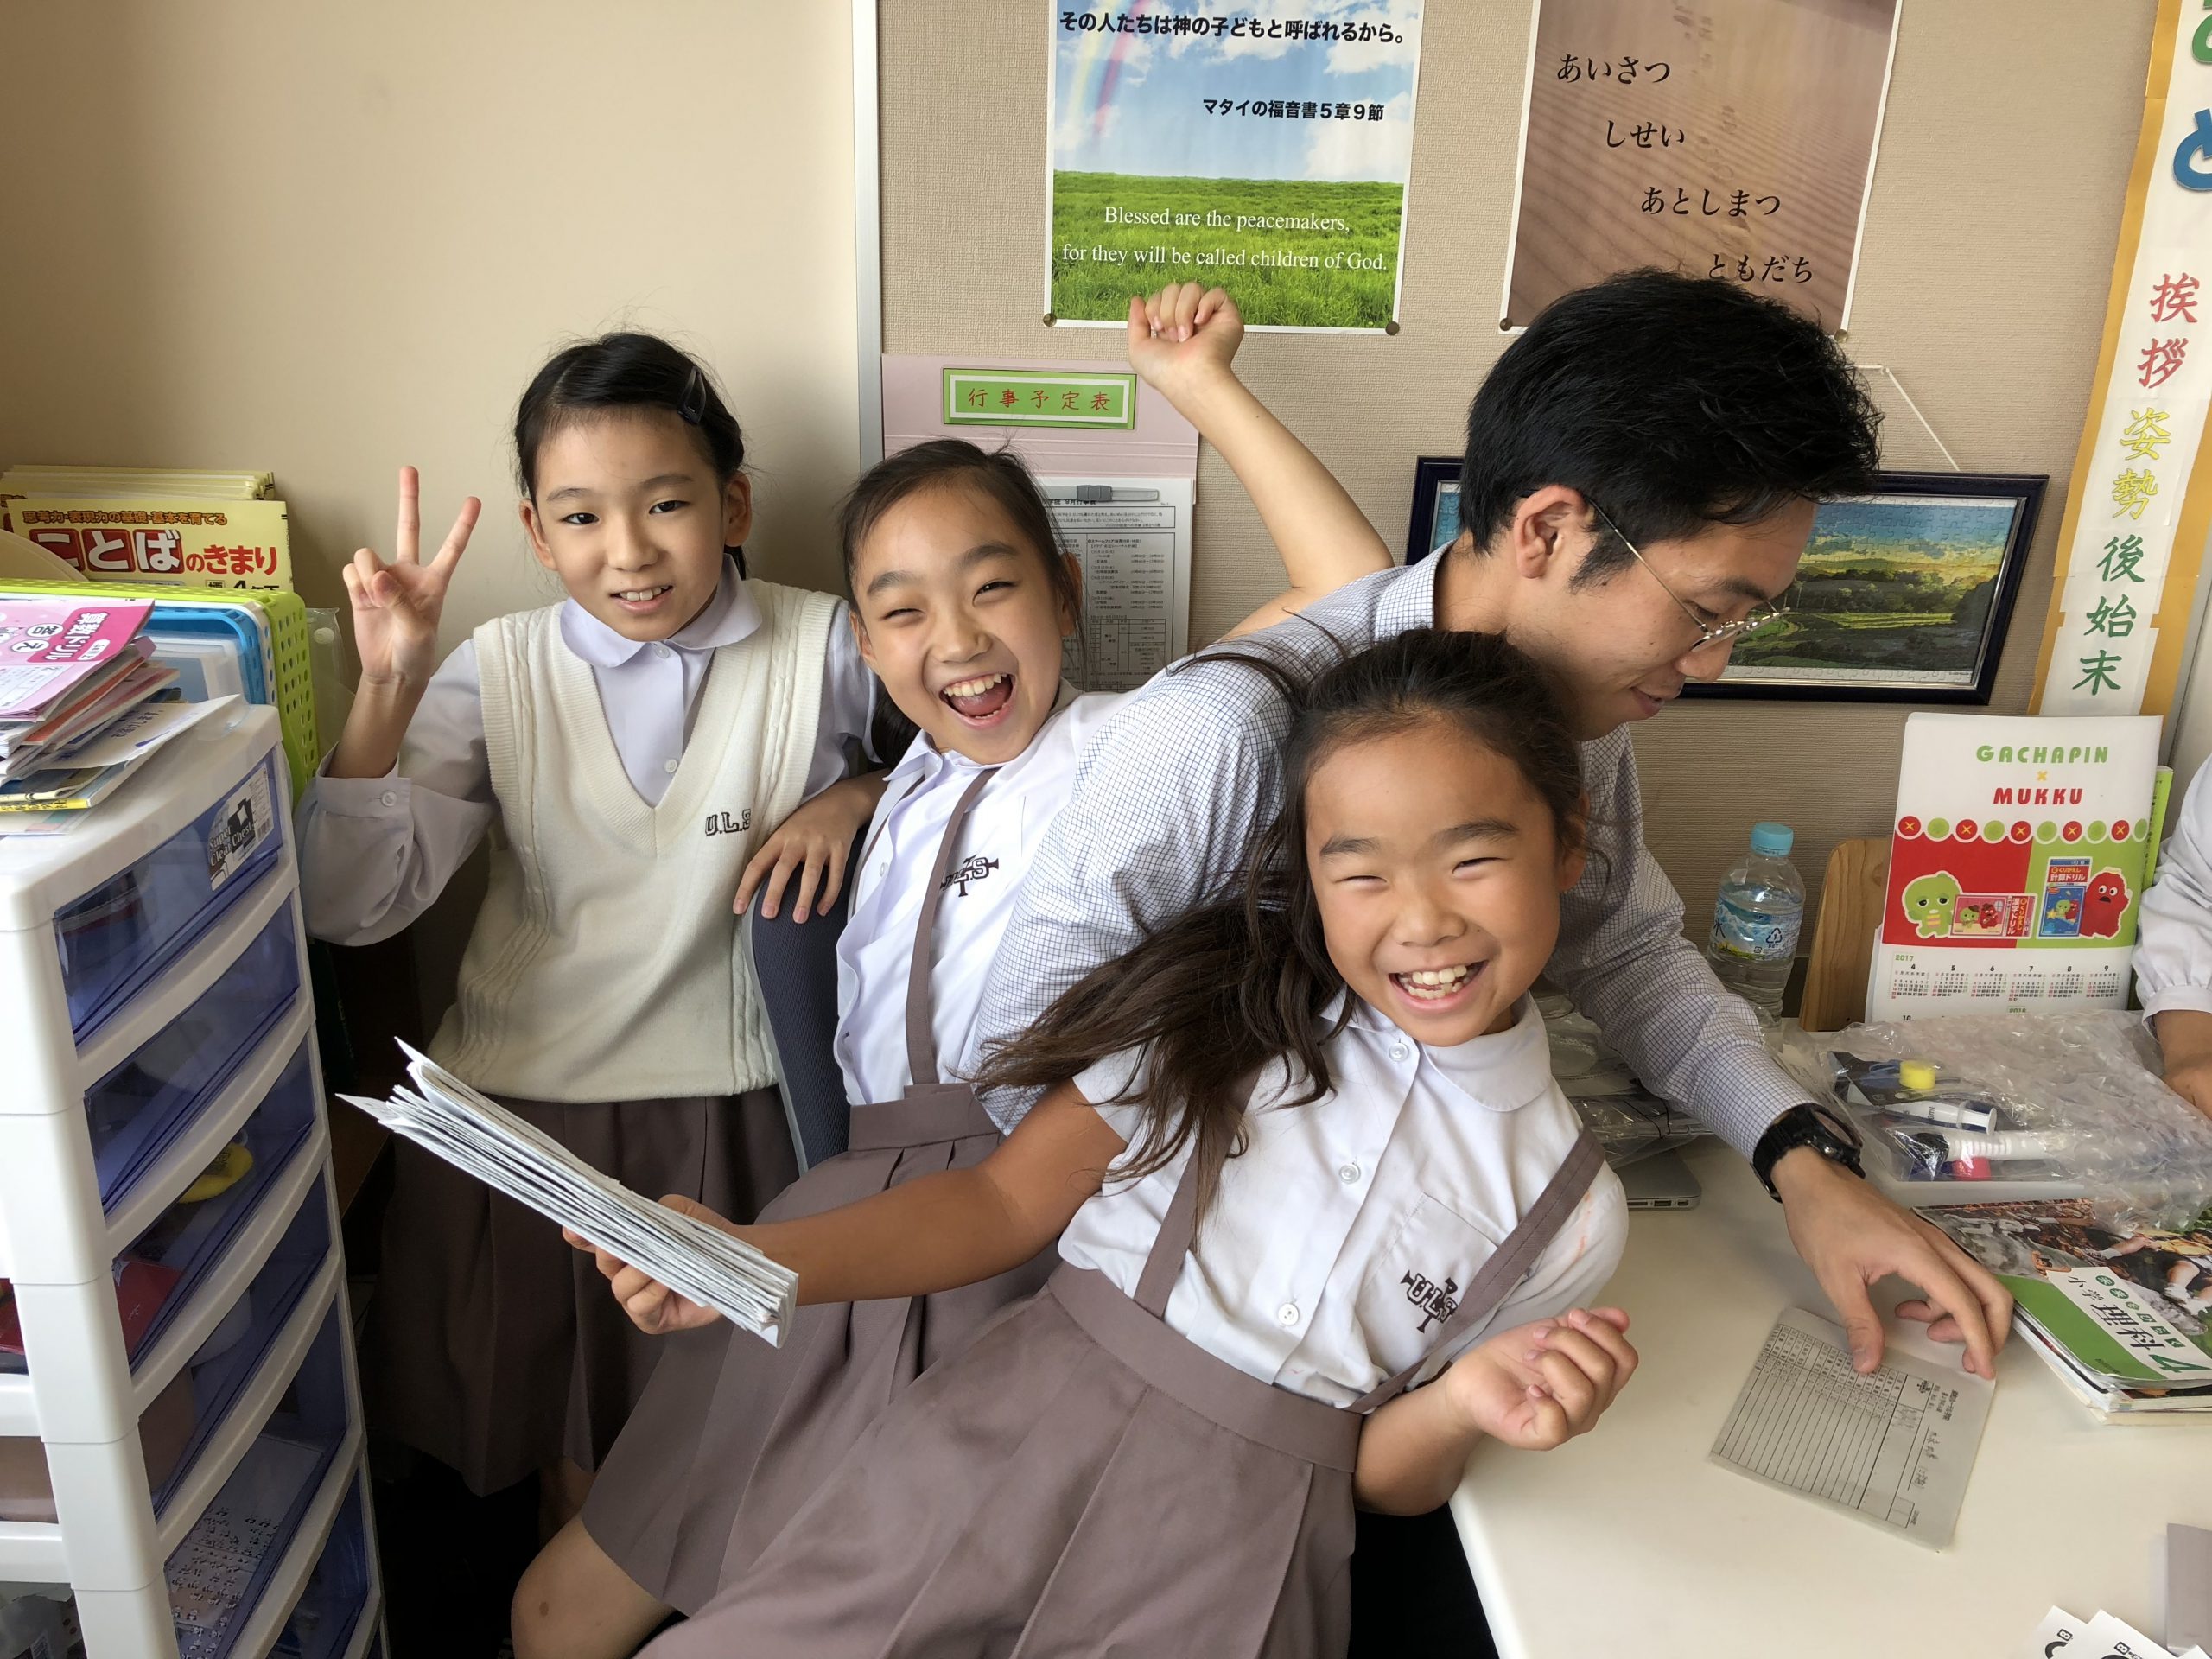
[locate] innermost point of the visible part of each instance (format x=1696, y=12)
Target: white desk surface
x=1629, y=1541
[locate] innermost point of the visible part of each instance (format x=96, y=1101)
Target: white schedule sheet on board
x=1894, y=1447
x=1132, y=537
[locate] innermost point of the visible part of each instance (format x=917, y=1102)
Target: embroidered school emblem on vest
x=974, y=868
x=720, y=823
x=1435, y=1301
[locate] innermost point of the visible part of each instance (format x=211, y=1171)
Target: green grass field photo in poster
x=1267, y=156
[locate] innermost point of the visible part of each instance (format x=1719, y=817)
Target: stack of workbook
x=2124, y=1320
x=166, y=525
x=82, y=705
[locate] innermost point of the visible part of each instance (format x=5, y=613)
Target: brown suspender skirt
x=493, y=1346
x=1083, y=1480
x=732, y=1436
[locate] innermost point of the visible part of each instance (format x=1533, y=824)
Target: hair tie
x=693, y=405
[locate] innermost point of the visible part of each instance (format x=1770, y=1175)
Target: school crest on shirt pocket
x=1419, y=1281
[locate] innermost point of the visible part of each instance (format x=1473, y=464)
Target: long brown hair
x=1214, y=995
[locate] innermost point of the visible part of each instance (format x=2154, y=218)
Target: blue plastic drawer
x=195, y=1234
x=138, y=1109
x=330, y=1609
x=165, y=1266
x=231, y=1355
x=124, y=931
x=216, y=1574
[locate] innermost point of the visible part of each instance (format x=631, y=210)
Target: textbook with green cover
x=2127, y=1311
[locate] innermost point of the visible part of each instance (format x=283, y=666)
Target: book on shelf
x=144, y=524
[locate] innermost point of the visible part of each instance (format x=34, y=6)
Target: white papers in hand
x=482, y=1138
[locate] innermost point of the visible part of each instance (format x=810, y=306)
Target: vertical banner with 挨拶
x=1265, y=148
x=1728, y=138
x=2141, y=502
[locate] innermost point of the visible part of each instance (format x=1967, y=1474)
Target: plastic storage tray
x=122, y=933
x=279, y=619
x=141, y=1106
x=220, y=1568
x=335, y=1601
x=231, y=1338
x=161, y=1270
x=250, y=1332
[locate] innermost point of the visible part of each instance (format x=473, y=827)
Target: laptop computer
x=1661, y=1181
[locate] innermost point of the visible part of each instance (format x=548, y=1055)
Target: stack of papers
x=77, y=710
x=215, y=484
x=479, y=1136
x=2104, y=1637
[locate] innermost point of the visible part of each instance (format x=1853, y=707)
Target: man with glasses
x=1642, y=467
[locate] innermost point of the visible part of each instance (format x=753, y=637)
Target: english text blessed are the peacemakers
x=1229, y=221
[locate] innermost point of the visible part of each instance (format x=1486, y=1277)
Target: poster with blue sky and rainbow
x=1263, y=146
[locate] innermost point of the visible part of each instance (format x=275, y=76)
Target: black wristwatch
x=1824, y=1131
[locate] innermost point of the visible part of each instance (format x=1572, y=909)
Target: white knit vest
x=605, y=963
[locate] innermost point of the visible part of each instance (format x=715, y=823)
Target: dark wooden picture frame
x=1953, y=581
x=1940, y=637
x=1436, y=488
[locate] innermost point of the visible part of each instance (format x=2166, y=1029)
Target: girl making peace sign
x=602, y=995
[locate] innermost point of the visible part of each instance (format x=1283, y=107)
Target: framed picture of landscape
x=1903, y=596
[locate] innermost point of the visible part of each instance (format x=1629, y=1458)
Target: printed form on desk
x=1893, y=1448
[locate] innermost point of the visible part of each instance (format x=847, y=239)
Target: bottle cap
x=1916, y=1075
x=1773, y=840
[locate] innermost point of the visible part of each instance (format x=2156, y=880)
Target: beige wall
x=1988, y=248
x=325, y=239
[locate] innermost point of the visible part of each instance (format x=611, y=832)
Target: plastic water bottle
x=1755, y=925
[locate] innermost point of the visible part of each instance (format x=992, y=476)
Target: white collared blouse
x=990, y=861
x=1344, y=1232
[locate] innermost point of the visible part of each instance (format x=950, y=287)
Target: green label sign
x=1011, y=398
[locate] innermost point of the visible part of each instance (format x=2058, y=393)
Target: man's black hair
x=1671, y=402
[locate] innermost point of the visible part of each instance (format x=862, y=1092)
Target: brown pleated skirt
x=733, y=1436
x=1080, y=1481
x=495, y=1347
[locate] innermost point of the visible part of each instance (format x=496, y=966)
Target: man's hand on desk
x=1852, y=1237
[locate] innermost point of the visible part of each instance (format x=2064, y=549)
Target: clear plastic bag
x=2054, y=1105
x=1628, y=1121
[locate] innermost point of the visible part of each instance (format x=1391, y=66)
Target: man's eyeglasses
x=1709, y=632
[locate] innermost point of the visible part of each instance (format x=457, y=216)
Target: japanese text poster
x=1728, y=138
x=1261, y=146
x=2138, y=509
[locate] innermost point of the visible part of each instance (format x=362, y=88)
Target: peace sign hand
x=397, y=606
